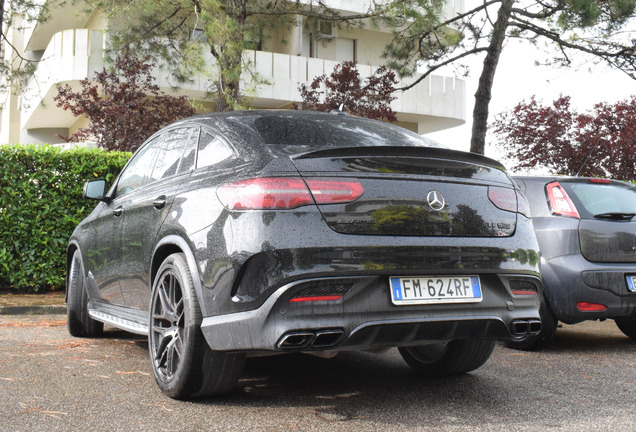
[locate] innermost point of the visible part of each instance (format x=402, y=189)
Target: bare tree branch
x=623, y=52
x=471, y=12
x=161, y=22
x=433, y=68
x=15, y=50
x=314, y=14
x=548, y=11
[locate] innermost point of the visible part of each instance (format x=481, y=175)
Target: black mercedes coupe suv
x=587, y=235
x=260, y=232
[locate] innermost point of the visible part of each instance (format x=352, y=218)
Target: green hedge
x=40, y=205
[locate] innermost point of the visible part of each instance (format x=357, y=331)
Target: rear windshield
x=334, y=131
x=598, y=198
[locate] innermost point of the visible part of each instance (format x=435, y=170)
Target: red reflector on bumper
x=590, y=307
x=524, y=292
x=316, y=298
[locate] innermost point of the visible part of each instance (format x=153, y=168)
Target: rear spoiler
x=403, y=151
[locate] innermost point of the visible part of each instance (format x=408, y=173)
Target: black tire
x=78, y=322
x=549, y=325
x=183, y=364
x=451, y=358
x=627, y=326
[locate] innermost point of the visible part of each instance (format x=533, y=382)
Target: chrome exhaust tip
x=295, y=340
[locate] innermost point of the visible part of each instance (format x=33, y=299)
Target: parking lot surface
x=50, y=381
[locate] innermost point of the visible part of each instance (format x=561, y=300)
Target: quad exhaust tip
x=525, y=327
x=310, y=339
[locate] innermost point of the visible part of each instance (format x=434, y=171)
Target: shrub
x=40, y=205
x=370, y=98
x=124, y=105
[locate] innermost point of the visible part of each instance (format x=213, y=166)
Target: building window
x=345, y=49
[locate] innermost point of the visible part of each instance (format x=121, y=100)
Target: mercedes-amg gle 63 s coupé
x=259, y=232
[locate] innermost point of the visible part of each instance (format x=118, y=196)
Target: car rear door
x=147, y=207
x=105, y=260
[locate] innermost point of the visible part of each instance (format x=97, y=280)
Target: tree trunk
x=484, y=89
x=2, y=29
x=231, y=57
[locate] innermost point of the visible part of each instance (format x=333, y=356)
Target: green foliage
x=208, y=37
x=16, y=70
x=607, y=15
x=425, y=39
x=40, y=205
x=418, y=33
x=183, y=36
x=580, y=13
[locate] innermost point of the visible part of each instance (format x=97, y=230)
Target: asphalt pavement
x=50, y=381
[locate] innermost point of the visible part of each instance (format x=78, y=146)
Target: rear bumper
x=366, y=318
x=571, y=279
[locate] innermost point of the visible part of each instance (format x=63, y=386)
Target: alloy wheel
x=167, y=326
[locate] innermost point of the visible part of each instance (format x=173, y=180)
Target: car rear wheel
x=182, y=362
x=78, y=322
x=627, y=326
x=451, y=358
x=536, y=342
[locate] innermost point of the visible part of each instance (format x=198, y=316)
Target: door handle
x=118, y=211
x=159, y=202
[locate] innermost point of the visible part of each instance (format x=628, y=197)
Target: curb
x=33, y=310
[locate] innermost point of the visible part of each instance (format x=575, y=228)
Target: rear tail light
x=560, y=202
x=600, y=180
x=335, y=191
x=509, y=199
x=286, y=193
x=503, y=198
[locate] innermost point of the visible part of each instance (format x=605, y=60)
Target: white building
x=70, y=46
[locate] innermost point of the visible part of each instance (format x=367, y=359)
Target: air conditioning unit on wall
x=326, y=31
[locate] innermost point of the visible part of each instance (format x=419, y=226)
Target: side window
x=190, y=153
x=212, y=150
x=171, y=149
x=139, y=170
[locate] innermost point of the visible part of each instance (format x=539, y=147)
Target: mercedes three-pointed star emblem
x=435, y=200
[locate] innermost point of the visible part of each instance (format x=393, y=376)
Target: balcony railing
x=76, y=54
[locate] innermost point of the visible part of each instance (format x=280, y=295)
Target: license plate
x=631, y=283
x=439, y=289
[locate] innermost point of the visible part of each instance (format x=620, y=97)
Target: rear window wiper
x=615, y=216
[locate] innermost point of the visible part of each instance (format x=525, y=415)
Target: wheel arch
x=175, y=244
x=560, y=289
x=70, y=250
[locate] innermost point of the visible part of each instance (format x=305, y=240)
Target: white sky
x=517, y=78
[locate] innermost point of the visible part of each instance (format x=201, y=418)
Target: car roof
x=568, y=179
x=244, y=121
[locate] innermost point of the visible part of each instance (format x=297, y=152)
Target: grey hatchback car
x=587, y=236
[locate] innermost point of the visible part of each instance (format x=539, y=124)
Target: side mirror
x=95, y=190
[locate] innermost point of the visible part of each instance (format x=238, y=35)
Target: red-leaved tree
x=124, y=105
x=370, y=98
x=601, y=142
